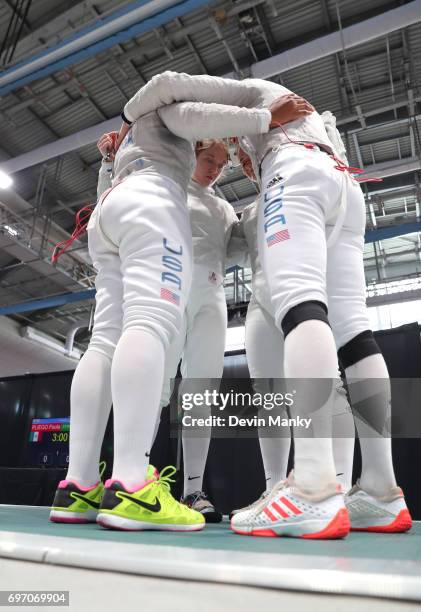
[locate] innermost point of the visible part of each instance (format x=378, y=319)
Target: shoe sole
x=112, y=521
x=402, y=523
x=61, y=516
x=338, y=527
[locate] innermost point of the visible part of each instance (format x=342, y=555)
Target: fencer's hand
x=106, y=144
x=289, y=108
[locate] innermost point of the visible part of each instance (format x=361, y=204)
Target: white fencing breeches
x=141, y=249
x=264, y=343
x=201, y=341
x=140, y=244
x=296, y=213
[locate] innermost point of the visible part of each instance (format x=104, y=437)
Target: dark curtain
x=234, y=474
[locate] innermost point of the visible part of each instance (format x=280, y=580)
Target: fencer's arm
x=104, y=177
x=238, y=253
x=169, y=87
x=197, y=120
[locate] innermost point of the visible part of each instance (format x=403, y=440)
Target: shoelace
x=102, y=468
x=198, y=495
x=264, y=495
x=267, y=496
x=165, y=477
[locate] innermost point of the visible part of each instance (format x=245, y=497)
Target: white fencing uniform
x=265, y=355
x=142, y=227
x=151, y=150
x=140, y=242
x=303, y=197
x=170, y=87
x=105, y=177
x=201, y=339
x=201, y=342
x=277, y=154
x=212, y=219
x=292, y=229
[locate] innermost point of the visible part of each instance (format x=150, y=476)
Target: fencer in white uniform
x=310, y=201
x=201, y=340
x=140, y=243
x=264, y=349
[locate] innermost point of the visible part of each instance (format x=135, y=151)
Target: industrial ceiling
x=67, y=68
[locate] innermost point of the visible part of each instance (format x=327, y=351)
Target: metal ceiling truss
x=178, y=42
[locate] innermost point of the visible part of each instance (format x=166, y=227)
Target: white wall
x=393, y=315
x=381, y=317
x=19, y=356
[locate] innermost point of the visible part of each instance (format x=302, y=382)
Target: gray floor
x=102, y=591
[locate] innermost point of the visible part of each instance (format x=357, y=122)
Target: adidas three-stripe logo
x=279, y=509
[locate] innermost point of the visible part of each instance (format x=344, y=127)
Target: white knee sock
x=136, y=378
x=90, y=404
x=196, y=440
x=310, y=352
x=155, y=431
x=369, y=388
x=275, y=455
x=195, y=454
x=343, y=436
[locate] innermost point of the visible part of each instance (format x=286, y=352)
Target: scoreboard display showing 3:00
x=49, y=443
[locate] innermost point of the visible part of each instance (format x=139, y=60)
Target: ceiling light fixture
x=32, y=334
x=10, y=230
x=5, y=180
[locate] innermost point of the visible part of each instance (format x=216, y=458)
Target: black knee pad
x=306, y=311
x=358, y=348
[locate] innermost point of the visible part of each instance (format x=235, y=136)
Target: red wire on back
x=340, y=164
x=82, y=220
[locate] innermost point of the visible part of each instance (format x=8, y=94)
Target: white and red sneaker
x=387, y=514
x=250, y=506
x=289, y=511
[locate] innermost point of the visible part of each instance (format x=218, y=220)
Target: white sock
x=310, y=352
x=369, y=388
x=155, y=431
x=195, y=454
x=90, y=404
x=275, y=444
x=136, y=379
x=343, y=436
x=196, y=440
x=275, y=455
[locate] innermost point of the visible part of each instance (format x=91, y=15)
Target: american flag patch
x=278, y=237
x=168, y=295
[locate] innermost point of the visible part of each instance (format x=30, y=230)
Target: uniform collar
x=195, y=186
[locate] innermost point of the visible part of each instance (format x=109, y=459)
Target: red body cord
x=339, y=163
x=82, y=220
